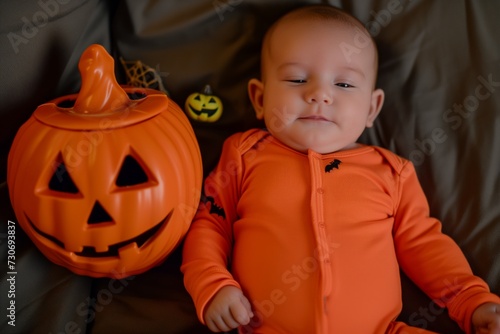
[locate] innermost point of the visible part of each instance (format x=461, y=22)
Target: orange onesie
x=316, y=241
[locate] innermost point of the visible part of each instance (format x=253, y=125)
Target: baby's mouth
x=317, y=118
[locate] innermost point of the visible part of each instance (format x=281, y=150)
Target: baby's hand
x=228, y=309
x=486, y=319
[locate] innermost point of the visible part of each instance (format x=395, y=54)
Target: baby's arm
x=486, y=319
x=227, y=310
x=422, y=247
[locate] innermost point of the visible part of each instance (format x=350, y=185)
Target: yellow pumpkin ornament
x=204, y=106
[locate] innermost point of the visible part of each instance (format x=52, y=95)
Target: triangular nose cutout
x=99, y=215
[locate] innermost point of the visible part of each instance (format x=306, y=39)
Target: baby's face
x=318, y=85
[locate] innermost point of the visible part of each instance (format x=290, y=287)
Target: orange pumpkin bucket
x=105, y=182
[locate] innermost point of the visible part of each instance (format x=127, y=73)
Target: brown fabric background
x=436, y=58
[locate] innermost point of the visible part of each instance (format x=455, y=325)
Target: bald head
x=318, y=14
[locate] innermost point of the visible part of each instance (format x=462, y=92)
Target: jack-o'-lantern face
x=57, y=183
x=106, y=194
x=204, y=106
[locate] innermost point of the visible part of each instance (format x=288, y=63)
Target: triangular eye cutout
x=99, y=215
x=131, y=173
x=61, y=180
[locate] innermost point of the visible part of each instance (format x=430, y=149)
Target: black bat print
x=334, y=164
x=214, y=208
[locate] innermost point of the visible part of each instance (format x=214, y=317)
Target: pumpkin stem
x=100, y=92
x=207, y=90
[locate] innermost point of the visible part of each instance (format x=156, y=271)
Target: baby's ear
x=375, y=106
x=256, y=95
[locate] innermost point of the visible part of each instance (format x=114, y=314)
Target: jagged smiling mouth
x=209, y=112
x=113, y=250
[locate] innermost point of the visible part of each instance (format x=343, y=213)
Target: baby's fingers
x=224, y=323
x=241, y=312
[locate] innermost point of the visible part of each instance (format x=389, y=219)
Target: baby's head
x=317, y=88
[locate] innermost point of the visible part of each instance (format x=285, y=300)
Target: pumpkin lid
x=101, y=103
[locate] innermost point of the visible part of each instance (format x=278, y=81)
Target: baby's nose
x=319, y=94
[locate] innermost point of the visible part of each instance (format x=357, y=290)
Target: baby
x=304, y=230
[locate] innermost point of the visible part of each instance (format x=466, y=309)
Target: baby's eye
x=297, y=81
x=344, y=85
